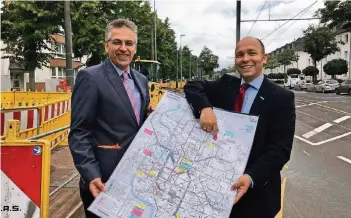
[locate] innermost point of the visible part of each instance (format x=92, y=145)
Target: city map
x=175, y=169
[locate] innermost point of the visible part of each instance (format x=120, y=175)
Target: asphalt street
x=316, y=182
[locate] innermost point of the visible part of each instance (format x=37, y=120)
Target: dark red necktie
x=240, y=98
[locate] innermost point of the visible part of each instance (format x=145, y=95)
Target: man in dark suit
x=109, y=104
x=259, y=188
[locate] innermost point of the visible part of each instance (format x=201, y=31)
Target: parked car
x=292, y=80
x=328, y=85
x=303, y=84
x=345, y=87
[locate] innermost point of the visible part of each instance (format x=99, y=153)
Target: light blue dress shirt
x=250, y=95
x=136, y=92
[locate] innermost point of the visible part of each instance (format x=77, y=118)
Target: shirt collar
x=120, y=72
x=256, y=83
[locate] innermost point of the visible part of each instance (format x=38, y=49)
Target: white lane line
x=322, y=142
x=306, y=153
x=317, y=130
x=304, y=105
x=344, y=159
x=342, y=119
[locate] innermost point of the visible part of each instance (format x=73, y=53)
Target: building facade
x=13, y=76
x=305, y=60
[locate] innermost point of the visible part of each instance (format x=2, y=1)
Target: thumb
x=100, y=185
x=235, y=186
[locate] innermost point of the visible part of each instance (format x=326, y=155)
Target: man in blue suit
x=109, y=104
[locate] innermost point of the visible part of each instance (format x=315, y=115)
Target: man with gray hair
x=110, y=101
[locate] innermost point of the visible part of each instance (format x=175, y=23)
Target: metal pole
x=350, y=57
x=190, y=67
x=48, y=133
x=238, y=20
x=177, y=70
x=181, y=70
x=155, y=32
x=68, y=42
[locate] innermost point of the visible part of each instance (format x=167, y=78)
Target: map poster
x=175, y=169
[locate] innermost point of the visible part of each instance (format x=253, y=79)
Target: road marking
x=344, y=159
x=317, y=130
x=334, y=109
x=306, y=153
x=342, y=119
x=304, y=105
x=280, y=213
x=322, y=142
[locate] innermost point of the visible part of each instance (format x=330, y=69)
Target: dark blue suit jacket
x=102, y=115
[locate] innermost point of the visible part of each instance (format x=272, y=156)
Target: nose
x=123, y=47
x=245, y=58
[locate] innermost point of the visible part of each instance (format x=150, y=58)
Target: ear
x=264, y=58
x=106, y=47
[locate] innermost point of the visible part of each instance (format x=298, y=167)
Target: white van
x=293, y=79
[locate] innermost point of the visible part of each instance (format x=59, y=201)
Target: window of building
x=53, y=72
x=60, y=50
x=345, y=55
x=347, y=38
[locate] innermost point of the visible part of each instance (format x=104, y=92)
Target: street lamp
x=181, y=73
x=190, y=57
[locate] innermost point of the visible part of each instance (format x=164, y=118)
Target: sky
x=213, y=23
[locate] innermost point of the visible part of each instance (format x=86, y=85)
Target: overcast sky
x=213, y=23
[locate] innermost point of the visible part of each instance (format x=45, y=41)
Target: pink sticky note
x=147, y=152
x=147, y=131
x=137, y=212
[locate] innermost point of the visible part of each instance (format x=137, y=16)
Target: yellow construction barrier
x=47, y=111
x=25, y=173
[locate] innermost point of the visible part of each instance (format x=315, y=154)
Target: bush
x=335, y=67
x=293, y=71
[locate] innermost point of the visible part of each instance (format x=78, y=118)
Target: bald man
x=259, y=188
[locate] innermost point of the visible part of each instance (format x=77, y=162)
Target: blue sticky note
x=229, y=133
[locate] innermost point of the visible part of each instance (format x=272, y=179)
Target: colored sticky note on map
x=139, y=173
x=140, y=205
x=178, y=215
x=152, y=173
x=136, y=211
x=147, y=131
x=180, y=170
x=249, y=127
x=211, y=145
x=229, y=133
x=147, y=152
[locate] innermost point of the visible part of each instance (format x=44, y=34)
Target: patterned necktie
x=240, y=98
x=131, y=96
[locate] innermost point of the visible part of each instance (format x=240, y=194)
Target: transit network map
x=175, y=169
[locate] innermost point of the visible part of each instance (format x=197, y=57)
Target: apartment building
x=305, y=60
x=13, y=76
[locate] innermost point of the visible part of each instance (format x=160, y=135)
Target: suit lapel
x=142, y=91
x=117, y=83
x=260, y=98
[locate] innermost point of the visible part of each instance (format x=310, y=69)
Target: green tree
x=26, y=30
x=311, y=71
x=335, y=67
x=293, y=71
x=208, y=61
x=335, y=14
x=272, y=63
x=287, y=57
x=319, y=43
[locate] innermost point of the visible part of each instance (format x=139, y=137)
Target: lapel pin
x=262, y=98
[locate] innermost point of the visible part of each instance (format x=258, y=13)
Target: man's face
x=121, y=47
x=249, y=58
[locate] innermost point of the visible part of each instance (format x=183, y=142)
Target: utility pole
x=181, y=72
x=238, y=20
x=155, y=30
x=177, y=70
x=68, y=43
x=190, y=67
x=350, y=57
x=152, y=56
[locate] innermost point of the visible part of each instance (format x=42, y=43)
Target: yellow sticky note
x=151, y=173
x=211, y=145
x=139, y=173
x=185, y=161
x=178, y=215
x=140, y=205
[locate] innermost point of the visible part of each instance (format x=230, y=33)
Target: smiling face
x=121, y=47
x=249, y=58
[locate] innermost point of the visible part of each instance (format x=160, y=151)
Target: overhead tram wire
x=256, y=18
x=286, y=28
x=307, y=8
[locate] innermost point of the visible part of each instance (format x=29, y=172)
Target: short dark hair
x=262, y=46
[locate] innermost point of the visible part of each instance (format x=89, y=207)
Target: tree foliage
x=310, y=71
x=335, y=14
x=208, y=61
x=293, y=71
x=335, y=67
x=26, y=28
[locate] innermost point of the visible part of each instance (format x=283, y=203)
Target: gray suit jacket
x=102, y=115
